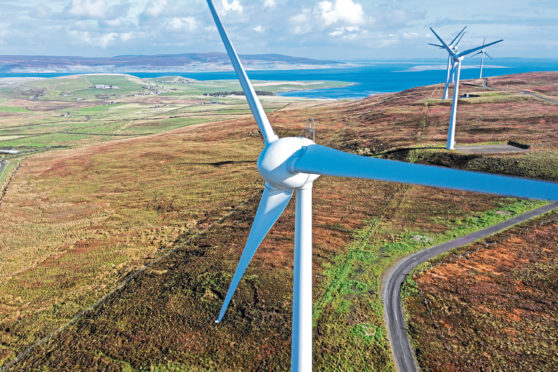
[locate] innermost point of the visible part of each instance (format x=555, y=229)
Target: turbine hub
x=276, y=160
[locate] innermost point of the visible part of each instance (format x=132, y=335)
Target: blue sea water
x=369, y=77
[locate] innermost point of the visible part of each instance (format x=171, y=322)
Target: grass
x=353, y=286
x=93, y=215
x=97, y=109
x=541, y=164
x=210, y=87
x=7, y=172
x=69, y=112
x=95, y=230
x=483, y=97
x=498, y=293
x=12, y=109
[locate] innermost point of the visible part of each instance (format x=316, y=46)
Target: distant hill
x=155, y=63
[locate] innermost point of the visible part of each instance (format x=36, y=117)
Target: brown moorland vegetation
x=86, y=219
x=492, y=305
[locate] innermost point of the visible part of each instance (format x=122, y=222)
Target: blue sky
x=332, y=29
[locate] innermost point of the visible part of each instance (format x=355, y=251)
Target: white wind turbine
x=482, y=54
x=450, y=78
x=457, y=60
x=294, y=163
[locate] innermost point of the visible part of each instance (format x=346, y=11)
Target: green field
x=81, y=109
x=12, y=109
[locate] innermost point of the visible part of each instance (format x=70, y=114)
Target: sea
x=367, y=77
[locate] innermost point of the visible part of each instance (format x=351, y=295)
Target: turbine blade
x=488, y=55
x=272, y=205
x=253, y=101
x=437, y=45
x=450, y=51
x=474, y=55
x=323, y=160
x=469, y=51
x=458, y=41
x=459, y=36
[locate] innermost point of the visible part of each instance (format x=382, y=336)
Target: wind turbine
x=450, y=78
x=482, y=53
x=457, y=60
x=293, y=164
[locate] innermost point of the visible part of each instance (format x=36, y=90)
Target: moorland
x=489, y=305
x=124, y=222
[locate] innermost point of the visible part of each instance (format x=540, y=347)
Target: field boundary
x=9, y=178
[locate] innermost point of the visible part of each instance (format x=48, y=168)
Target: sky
x=334, y=29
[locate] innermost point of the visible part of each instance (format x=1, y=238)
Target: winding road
x=546, y=99
x=393, y=310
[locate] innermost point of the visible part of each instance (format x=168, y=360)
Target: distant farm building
x=104, y=86
x=9, y=152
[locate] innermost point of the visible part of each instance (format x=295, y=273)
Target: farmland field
x=81, y=109
x=180, y=198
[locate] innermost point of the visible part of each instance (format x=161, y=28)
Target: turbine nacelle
x=293, y=163
x=276, y=163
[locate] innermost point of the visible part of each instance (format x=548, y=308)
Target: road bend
x=393, y=310
x=546, y=99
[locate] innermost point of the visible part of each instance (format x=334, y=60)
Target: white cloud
x=187, y=24
x=301, y=22
x=4, y=31
x=107, y=39
x=119, y=22
x=40, y=12
x=270, y=4
x=95, y=9
x=410, y=35
x=348, y=33
x=232, y=6
x=259, y=28
x=154, y=8
x=102, y=40
x=345, y=11
x=124, y=37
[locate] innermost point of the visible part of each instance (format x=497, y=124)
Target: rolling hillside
x=154, y=63
x=144, y=233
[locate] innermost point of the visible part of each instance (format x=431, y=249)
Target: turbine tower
x=291, y=165
x=450, y=78
x=482, y=53
x=457, y=60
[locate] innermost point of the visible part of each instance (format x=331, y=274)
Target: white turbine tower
x=450, y=78
x=294, y=163
x=457, y=60
x=482, y=53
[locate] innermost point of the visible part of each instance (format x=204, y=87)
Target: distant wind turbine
x=482, y=53
x=457, y=59
x=450, y=71
x=293, y=164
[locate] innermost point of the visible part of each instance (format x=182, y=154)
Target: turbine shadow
x=407, y=149
x=221, y=163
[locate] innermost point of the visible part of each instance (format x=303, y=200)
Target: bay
x=367, y=77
